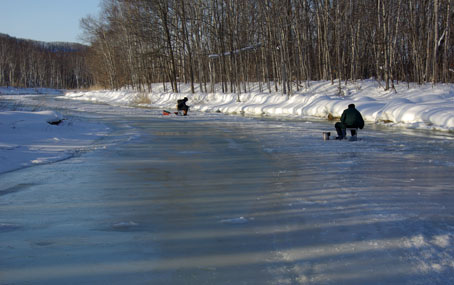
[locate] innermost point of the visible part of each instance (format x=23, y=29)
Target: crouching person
x=181, y=106
x=351, y=118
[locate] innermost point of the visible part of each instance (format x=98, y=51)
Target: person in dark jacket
x=351, y=118
x=181, y=106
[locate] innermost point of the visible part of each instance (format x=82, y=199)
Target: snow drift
x=409, y=105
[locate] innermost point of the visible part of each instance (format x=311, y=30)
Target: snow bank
x=409, y=105
x=125, y=97
x=30, y=138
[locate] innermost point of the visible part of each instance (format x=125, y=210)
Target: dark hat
x=351, y=106
x=185, y=98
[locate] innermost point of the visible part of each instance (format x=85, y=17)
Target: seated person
x=351, y=118
x=181, y=106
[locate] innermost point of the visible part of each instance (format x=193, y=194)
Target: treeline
x=27, y=63
x=280, y=44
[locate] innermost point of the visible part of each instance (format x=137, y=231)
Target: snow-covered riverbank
x=409, y=105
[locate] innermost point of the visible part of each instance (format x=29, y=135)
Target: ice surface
x=240, y=220
x=215, y=199
x=28, y=138
x=28, y=91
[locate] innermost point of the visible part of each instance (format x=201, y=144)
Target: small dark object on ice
x=55, y=122
x=326, y=135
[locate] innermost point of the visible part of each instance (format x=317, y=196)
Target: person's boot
x=339, y=132
x=342, y=134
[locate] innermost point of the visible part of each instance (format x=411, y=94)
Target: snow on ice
x=30, y=138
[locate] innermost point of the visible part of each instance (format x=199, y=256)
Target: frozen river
x=214, y=199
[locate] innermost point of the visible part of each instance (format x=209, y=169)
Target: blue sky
x=45, y=20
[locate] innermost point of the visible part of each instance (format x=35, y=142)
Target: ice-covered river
x=214, y=199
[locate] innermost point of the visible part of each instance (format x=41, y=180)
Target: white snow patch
x=27, y=138
x=124, y=225
x=442, y=241
x=240, y=220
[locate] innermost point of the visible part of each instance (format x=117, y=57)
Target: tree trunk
x=435, y=57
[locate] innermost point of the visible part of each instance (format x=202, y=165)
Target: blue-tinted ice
x=213, y=199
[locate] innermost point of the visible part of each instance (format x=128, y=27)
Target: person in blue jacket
x=351, y=118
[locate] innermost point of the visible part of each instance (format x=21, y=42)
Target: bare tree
x=279, y=43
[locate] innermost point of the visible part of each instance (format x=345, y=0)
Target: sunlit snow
x=408, y=105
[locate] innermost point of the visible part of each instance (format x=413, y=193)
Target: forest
x=30, y=64
x=281, y=45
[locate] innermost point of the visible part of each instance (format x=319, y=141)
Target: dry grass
x=385, y=121
x=142, y=98
x=95, y=88
x=91, y=88
x=332, y=118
